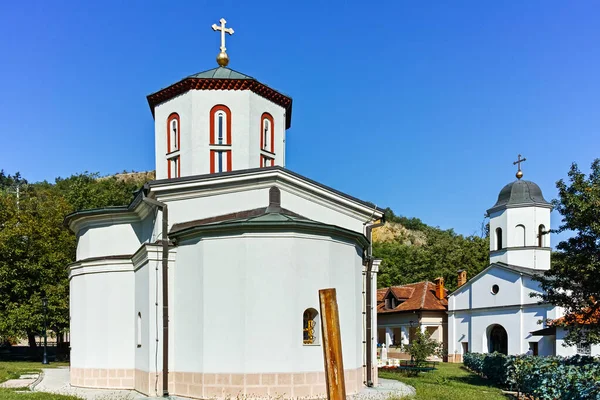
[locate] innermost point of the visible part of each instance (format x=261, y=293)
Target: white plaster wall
x=526, y=254
x=102, y=319
x=182, y=105
x=144, y=305
x=194, y=108
x=458, y=331
x=509, y=293
x=201, y=205
x=460, y=300
x=245, y=296
x=113, y=238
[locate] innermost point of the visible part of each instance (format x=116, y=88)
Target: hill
x=413, y=251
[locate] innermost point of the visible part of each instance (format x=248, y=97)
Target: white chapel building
x=493, y=311
x=206, y=285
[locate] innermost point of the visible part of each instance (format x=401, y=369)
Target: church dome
x=518, y=194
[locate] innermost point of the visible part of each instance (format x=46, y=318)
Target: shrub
x=544, y=378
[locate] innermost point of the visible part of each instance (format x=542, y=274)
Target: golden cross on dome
x=519, y=161
x=222, y=58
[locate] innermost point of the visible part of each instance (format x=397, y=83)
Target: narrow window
x=139, y=330
x=220, y=125
x=174, y=167
x=498, y=238
x=173, y=133
x=584, y=349
x=267, y=138
x=310, y=328
x=541, y=231
x=266, y=134
x=520, y=236
x=220, y=155
x=220, y=115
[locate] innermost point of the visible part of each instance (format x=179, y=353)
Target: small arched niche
x=310, y=327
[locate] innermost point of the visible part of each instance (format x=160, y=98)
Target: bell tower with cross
x=520, y=224
x=219, y=120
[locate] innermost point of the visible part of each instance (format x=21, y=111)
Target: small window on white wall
x=541, y=232
x=498, y=238
x=174, y=167
x=139, y=330
x=310, y=326
x=173, y=133
x=520, y=236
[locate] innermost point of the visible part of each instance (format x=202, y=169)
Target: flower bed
x=544, y=378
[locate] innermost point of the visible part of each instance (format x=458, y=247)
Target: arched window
x=267, y=140
x=173, y=133
x=498, y=238
x=139, y=330
x=220, y=125
x=541, y=231
x=267, y=132
x=310, y=326
x=520, y=235
x=220, y=139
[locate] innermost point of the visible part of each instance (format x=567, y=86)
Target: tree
x=34, y=251
x=35, y=246
x=423, y=346
x=573, y=279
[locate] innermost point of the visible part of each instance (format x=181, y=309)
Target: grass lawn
x=14, y=369
x=448, y=382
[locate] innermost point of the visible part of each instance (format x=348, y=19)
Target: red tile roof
x=381, y=294
x=414, y=297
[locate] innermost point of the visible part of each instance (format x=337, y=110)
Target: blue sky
x=417, y=106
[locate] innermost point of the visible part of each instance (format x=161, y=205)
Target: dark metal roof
x=220, y=73
x=518, y=194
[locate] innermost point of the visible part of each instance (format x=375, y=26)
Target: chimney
x=462, y=277
x=439, y=288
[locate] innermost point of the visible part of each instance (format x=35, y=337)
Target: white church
x=206, y=285
x=493, y=311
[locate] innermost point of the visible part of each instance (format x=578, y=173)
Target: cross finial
x=222, y=58
x=519, y=161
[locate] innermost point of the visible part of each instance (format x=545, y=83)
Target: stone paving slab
x=17, y=383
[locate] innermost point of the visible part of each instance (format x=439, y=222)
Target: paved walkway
x=386, y=389
x=22, y=382
x=56, y=380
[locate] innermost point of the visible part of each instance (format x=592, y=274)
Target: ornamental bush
x=543, y=378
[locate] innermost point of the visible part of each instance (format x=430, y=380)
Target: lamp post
x=45, y=304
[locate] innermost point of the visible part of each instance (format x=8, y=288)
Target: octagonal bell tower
x=519, y=225
x=217, y=121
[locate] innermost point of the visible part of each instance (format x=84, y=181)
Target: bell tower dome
x=519, y=225
x=218, y=120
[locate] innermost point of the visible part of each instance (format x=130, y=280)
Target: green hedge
x=544, y=378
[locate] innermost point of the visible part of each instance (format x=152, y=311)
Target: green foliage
x=423, y=346
x=35, y=246
x=544, y=378
x=572, y=282
x=414, y=224
x=444, y=253
x=448, y=382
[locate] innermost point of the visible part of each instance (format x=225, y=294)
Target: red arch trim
x=268, y=117
x=173, y=116
x=213, y=111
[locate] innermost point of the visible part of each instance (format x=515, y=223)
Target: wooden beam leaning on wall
x=332, y=345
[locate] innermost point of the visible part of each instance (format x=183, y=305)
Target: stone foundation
x=103, y=378
x=200, y=385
